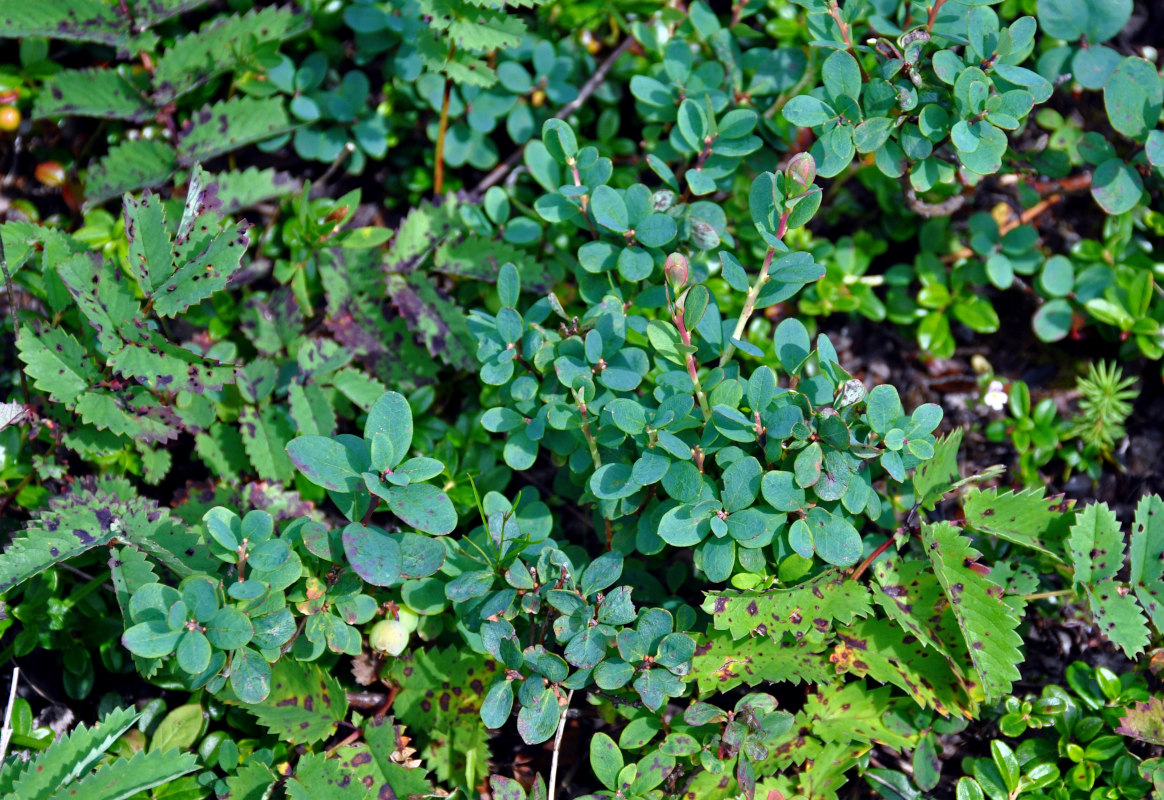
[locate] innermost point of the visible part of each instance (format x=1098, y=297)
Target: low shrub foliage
x=493, y=397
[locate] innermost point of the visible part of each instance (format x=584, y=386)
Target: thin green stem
x=1047, y=595
x=593, y=444
x=750, y=300
x=484, y=522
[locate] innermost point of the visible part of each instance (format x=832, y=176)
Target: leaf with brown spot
x=933, y=478
x=881, y=650
x=1027, y=518
x=851, y=712
x=829, y=596
x=1144, y=722
x=231, y=124
x=305, y=703
x=1147, y=557
x=1096, y=544
x=447, y=725
x=721, y=663
x=986, y=623
x=911, y=596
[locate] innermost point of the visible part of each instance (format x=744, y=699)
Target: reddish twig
x=932, y=17
x=860, y=570
x=834, y=11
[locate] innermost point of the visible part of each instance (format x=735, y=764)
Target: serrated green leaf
x=1147, y=557
x=987, y=624
x=1118, y=616
x=126, y=777
x=222, y=449
x=131, y=164
x=311, y=409
x=305, y=704
x=230, y=124
x=195, y=58
x=157, y=363
x=933, y=478
x=149, y=241
x=1028, y=518
x=265, y=437
x=852, y=712
x=1096, y=544
x=813, y=605
x=205, y=272
x=880, y=649
x=456, y=743
x=910, y=594
x=239, y=189
x=101, y=93
x=440, y=324
x=57, y=363
x=722, y=663
x=73, y=755
x=133, y=413
x=74, y=20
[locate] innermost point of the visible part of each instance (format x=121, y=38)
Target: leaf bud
x=677, y=270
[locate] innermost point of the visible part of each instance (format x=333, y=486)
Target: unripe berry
x=50, y=173
x=9, y=118
x=389, y=636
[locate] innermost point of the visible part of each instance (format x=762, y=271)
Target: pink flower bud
x=677, y=270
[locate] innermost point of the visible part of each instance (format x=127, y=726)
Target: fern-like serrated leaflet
x=987, y=623
x=73, y=755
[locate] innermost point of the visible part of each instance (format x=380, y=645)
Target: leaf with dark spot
x=1144, y=722
x=301, y=693
x=977, y=606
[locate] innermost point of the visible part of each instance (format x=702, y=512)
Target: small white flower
x=995, y=396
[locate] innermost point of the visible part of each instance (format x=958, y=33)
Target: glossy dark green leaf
x=421, y=505
x=536, y=724
x=606, y=760
x=601, y=573
x=609, y=209
x=151, y=639
x=1116, y=186
x=229, y=629
x=373, y=554
x=391, y=418
x=250, y=676
x=327, y=463
x=498, y=704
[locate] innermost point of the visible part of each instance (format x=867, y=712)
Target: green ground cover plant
x=405, y=395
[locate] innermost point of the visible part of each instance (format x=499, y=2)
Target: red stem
x=872, y=557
